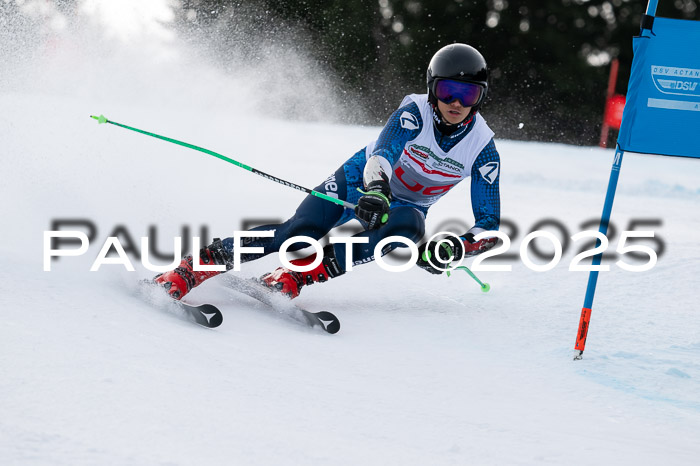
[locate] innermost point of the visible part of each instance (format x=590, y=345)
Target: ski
x=206, y=315
x=324, y=320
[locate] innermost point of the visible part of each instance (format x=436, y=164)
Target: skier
x=429, y=144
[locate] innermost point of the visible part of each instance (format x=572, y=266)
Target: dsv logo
x=678, y=81
x=677, y=85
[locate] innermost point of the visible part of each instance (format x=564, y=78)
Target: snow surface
x=425, y=370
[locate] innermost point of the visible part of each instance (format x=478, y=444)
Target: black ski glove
x=450, y=250
x=373, y=207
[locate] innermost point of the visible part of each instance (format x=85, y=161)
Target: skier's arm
x=486, y=200
x=403, y=125
x=373, y=206
x=485, y=192
x=486, y=206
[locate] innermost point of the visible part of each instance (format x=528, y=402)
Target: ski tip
x=100, y=119
x=330, y=322
x=206, y=315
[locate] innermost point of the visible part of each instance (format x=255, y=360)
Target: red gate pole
x=612, y=82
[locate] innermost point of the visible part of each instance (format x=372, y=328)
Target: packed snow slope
x=426, y=369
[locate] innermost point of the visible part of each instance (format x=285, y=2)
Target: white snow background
x=425, y=370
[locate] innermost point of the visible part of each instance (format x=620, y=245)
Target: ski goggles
x=448, y=91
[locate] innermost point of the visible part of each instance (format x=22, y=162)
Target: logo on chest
x=432, y=164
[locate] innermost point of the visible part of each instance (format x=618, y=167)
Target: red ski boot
x=290, y=282
x=180, y=281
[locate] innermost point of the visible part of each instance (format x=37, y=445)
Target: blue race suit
x=315, y=217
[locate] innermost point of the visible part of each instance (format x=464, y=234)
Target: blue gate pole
x=604, y=222
x=651, y=7
x=593, y=276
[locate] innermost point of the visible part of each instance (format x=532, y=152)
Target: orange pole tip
x=583, y=329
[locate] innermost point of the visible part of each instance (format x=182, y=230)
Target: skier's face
x=454, y=112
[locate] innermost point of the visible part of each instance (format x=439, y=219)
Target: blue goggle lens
x=448, y=91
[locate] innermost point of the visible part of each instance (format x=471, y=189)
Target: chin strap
x=446, y=128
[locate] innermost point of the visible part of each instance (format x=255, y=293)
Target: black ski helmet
x=459, y=62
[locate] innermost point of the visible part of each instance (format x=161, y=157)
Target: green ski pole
x=485, y=287
x=102, y=119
